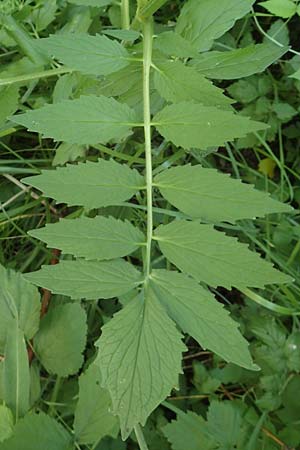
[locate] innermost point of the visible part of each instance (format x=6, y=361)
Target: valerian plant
x=161, y=272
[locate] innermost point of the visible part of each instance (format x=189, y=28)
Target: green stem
x=33, y=76
x=140, y=438
x=147, y=58
x=125, y=14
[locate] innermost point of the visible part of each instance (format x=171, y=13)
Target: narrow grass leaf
x=197, y=313
x=92, y=185
x=238, y=63
x=93, y=421
x=207, y=194
x=98, y=238
x=211, y=256
x=203, y=21
x=140, y=358
x=19, y=300
x=94, y=55
x=61, y=339
x=87, y=279
x=176, y=83
x=86, y=120
x=187, y=125
x=16, y=377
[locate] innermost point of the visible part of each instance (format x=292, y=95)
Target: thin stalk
x=147, y=57
x=125, y=14
x=140, y=437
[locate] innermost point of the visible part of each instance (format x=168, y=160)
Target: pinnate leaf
x=36, y=432
x=176, y=83
x=61, y=339
x=203, y=21
x=98, y=238
x=94, y=55
x=86, y=120
x=211, y=256
x=189, y=125
x=213, y=196
x=87, y=279
x=238, y=63
x=197, y=313
x=91, y=185
x=140, y=358
x=93, y=421
x=18, y=300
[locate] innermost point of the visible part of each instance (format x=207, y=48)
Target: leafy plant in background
x=158, y=90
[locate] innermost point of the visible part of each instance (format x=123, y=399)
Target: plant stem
x=147, y=59
x=125, y=14
x=140, y=438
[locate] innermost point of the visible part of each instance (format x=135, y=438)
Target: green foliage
x=134, y=121
x=61, y=339
x=92, y=421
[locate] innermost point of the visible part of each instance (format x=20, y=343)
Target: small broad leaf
x=173, y=44
x=203, y=21
x=6, y=423
x=207, y=194
x=19, y=300
x=94, y=55
x=86, y=120
x=98, y=238
x=140, y=358
x=91, y=185
x=189, y=125
x=280, y=8
x=192, y=426
x=197, y=313
x=16, y=377
x=67, y=152
x=176, y=83
x=211, y=256
x=93, y=421
x=238, y=63
x=61, y=339
x=87, y=279
x=36, y=432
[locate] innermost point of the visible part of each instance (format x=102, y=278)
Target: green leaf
x=192, y=426
x=211, y=256
x=98, y=238
x=93, y=55
x=207, y=194
x=140, y=358
x=296, y=75
x=238, y=63
x=67, y=152
x=197, y=313
x=16, y=377
x=203, y=21
x=126, y=35
x=18, y=300
x=97, y=3
x=91, y=185
x=280, y=8
x=61, y=339
x=93, y=421
x=9, y=97
x=172, y=44
x=86, y=120
x=191, y=125
x=87, y=279
x=176, y=82
x=6, y=423
x=36, y=432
